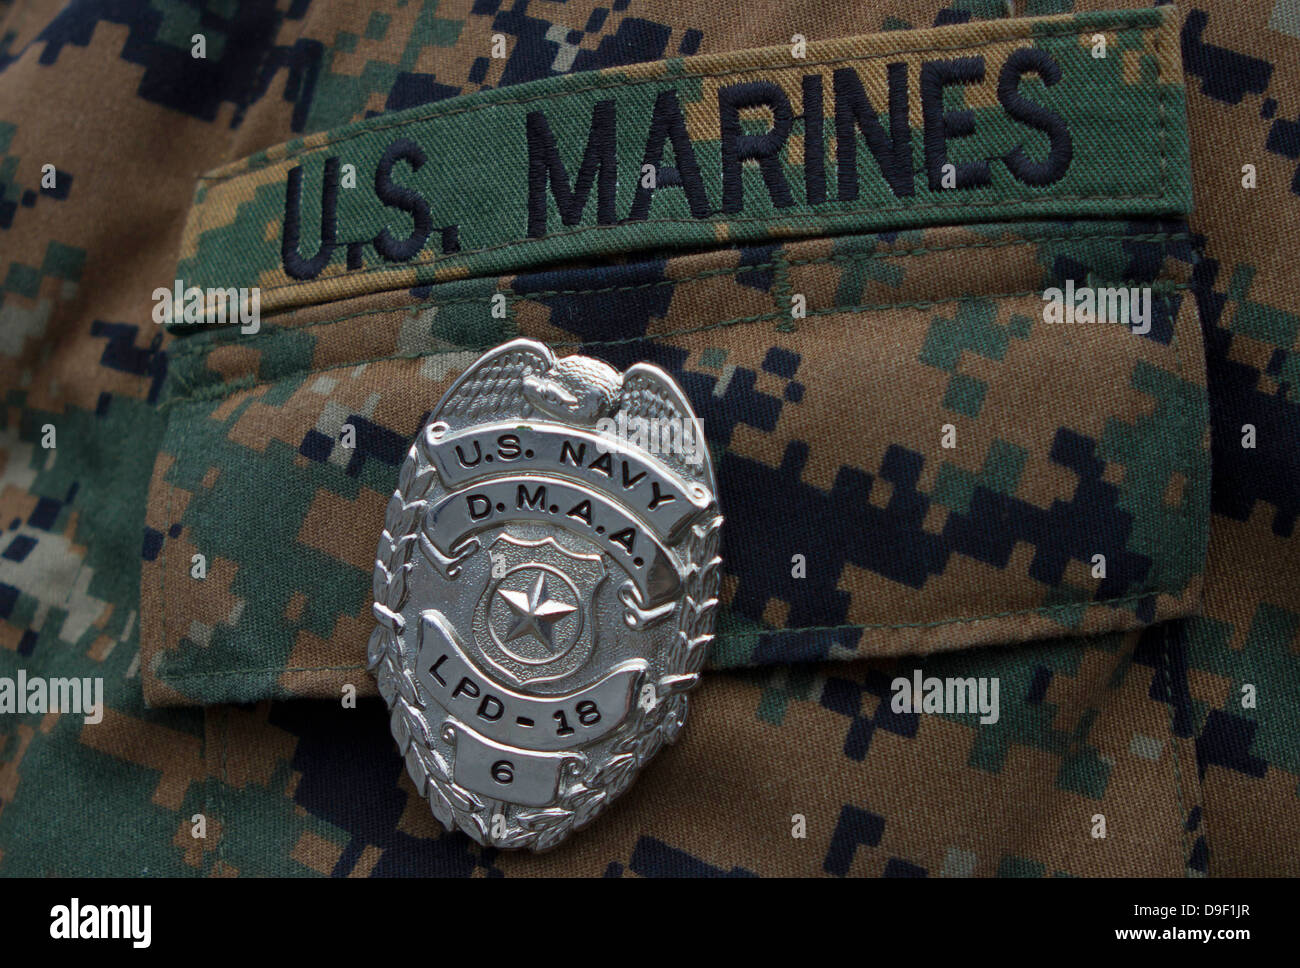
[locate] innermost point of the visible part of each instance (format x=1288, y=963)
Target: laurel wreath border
x=650, y=726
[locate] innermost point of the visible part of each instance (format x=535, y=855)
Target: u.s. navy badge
x=544, y=590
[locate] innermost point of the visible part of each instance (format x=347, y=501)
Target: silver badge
x=545, y=589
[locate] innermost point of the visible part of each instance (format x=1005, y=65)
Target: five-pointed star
x=537, y=612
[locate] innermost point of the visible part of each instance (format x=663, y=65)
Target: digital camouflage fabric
x=917, y=469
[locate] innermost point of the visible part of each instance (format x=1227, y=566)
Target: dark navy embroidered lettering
x=544, y=163
x=853, y=110
x=940, y=125
x=601, y=167
x=1036, y=116
x=667, y=123
x=737, y=147
x=295, y=266
x=814, y=148
x=407, y=199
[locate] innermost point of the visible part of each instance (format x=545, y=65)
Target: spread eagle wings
x=650, y=393
x=494, y=386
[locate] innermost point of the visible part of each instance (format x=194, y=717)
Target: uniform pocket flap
x=927, y=437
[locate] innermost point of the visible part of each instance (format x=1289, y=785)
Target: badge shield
x=544, y=590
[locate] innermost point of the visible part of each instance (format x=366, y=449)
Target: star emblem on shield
x=536, y=612
x=534, y=619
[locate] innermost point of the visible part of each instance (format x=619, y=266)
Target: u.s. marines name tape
x=975, y=122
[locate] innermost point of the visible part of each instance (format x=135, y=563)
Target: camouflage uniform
x=858, y=548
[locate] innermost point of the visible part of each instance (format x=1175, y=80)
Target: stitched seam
x=783, y=296
x=1121, y=25
x=1175, y=753
x=225, y=778
x=605, y=82
x=277, y=669
x=1199, y=474
x=1162, y=127
x=222, y=391
x=1184, y=420
x=1205, y=808
x=242, y=672
x=166, y=523
x=1171, y=449
x=209, y=793
x=202, y=346
x=962, y=620
x=459, y=258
